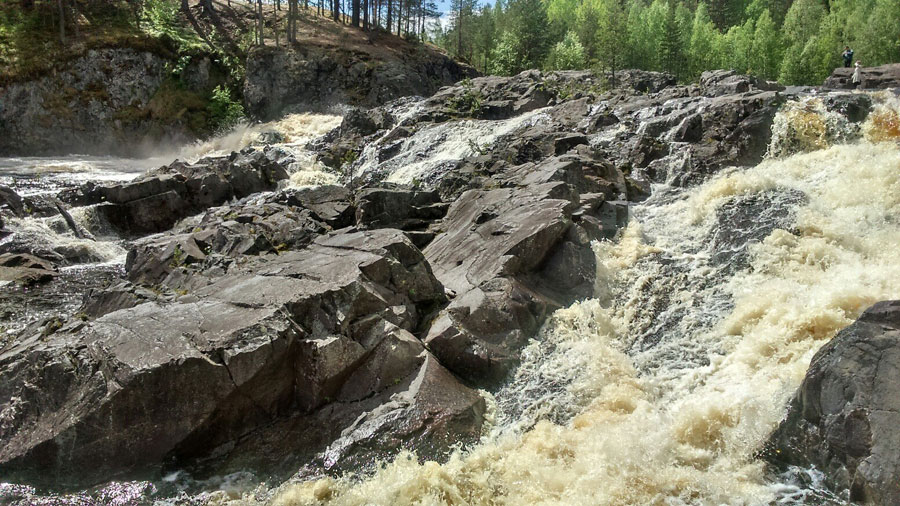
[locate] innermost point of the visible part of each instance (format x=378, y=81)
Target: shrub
x=224, y=111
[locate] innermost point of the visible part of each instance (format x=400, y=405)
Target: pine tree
x=613, y=29
x=670, y=45
x=528, y=21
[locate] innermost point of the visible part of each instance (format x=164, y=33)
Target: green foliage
x=765, y=52
x=467, y=104
x=796, y=41
x=528, y=21
x=505, y=55
x=159, y=18
x=567, y=54
x=224, y=112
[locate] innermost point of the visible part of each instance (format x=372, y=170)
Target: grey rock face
x=158, y=199
x=873, y=78
x=82, y=108
x=715, y=83
x=279, y=80
x=845, y=416
x=25, y=269
x=276, y=338
x=510, y=256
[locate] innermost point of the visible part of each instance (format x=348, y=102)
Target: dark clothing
x=848, y=57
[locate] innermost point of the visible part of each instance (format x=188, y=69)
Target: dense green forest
x=795, y=42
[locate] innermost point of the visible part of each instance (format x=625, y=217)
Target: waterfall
x=708, y=309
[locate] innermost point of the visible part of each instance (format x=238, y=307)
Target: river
x=663, y=387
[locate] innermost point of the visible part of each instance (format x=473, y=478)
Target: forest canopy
x=793, y=41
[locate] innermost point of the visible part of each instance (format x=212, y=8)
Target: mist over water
x=37, y=175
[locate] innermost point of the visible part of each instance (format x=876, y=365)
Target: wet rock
x=736, y=131
x=25, y=269
x=157, y=200
x=845, y=415
x=854, y=106
x=427, y=411
x=330, y=203
x=873, y=78
x=216, y=239
x=503, y=254
x=397, y=208
x=277, y=338
x=11, y=200
x=98, y=302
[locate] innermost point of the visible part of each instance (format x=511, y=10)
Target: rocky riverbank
x=303, y=331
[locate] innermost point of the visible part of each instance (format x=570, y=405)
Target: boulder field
x=302, y=331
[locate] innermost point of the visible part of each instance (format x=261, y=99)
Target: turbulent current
x=664, y=387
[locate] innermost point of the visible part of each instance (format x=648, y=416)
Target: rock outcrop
x=286, y=336
x=279, y=80
x=471, y=134
x=873, y=78
x=318, y=329
x=156, y=200
x=107, y=101
x=511, y=257
x=844, y=418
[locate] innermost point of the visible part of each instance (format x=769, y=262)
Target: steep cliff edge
x=154, y=83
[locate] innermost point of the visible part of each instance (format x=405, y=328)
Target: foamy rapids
x=662, y=388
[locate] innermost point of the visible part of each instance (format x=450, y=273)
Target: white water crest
x=291, y=133
x=294, y=130
x=436, y=148
x=661, y=389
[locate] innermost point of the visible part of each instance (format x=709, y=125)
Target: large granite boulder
x=293, y=337
x=845, y=416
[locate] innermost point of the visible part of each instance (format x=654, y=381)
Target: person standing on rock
x=847, y=55
x=857, y=78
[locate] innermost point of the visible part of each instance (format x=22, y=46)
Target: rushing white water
x=661, y=389
x=708, y=308
x=436, y=148
x=35, y=175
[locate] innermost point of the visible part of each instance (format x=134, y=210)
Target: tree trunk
x=365, y=19
x=408, y=3
x=75, y=17
x=388, y=15
x=459, y=24
x=62, y=22
x=336, y=10
x=260, y=25
x=399, y=15
x=355, y=13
